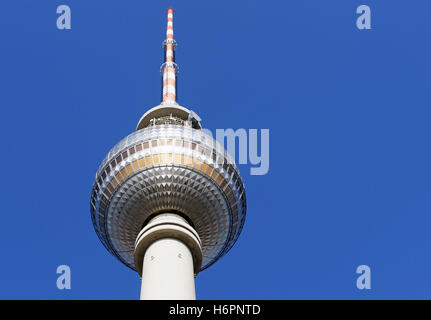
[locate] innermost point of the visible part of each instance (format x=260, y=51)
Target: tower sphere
x=168, y=165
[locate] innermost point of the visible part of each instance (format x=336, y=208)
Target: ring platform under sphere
x=168, y=168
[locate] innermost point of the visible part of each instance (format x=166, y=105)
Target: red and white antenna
x=169, y=68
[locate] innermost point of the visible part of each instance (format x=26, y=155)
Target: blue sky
x=349, y=119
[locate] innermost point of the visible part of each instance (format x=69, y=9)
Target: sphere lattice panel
x=168, y=168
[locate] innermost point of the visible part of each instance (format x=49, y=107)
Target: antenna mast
x=169, y=68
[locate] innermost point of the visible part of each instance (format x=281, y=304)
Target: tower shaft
x=168, y=254
x=168, y=271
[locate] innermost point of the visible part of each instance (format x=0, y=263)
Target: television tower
x=168, y=201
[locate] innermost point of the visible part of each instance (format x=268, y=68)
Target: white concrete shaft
x=168, y=255
x=168, y=271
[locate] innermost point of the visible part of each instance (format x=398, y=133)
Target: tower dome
x=168, y=167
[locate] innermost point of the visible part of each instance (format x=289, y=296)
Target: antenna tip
x=170, y=10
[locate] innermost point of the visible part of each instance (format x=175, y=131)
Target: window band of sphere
x=146, y=161
x=167, y=159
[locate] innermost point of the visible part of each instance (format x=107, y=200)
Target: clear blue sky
x=349, y=118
